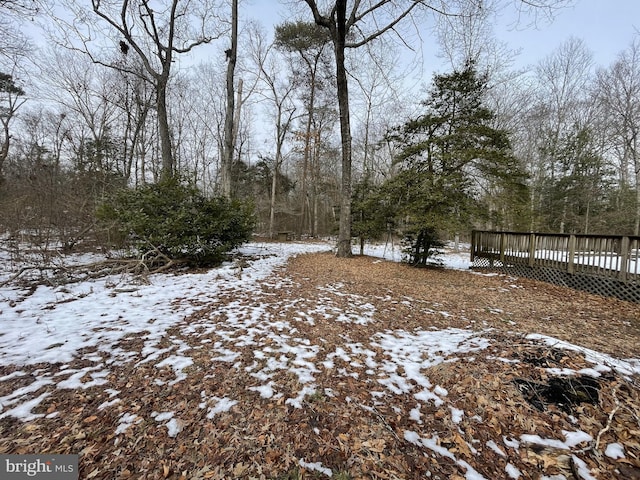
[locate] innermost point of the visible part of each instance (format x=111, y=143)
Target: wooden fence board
x=603, y=264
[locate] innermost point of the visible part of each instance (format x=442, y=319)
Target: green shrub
x=176, y=219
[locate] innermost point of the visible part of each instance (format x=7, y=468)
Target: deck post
x=473, y=245
x=624, y=258
x=532, y=250
x=502, y=239
x=571, y=266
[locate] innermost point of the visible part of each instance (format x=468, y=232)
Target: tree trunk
x=367, y=125
x=307, y=154
x=227, y=154
x=636, y=225
x=563, y=216
x=281, y=132
x=166, y=171
x=236, y=117
x=4, y=148
x=316, y=208
x=315, y=181
x=272, y=205
x=344, y=235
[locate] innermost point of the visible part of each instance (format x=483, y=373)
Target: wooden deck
x=603, y=264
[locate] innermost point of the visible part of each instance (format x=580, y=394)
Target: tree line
x=313, y=122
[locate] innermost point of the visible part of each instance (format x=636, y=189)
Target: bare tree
x=135, y=102
x=563, y=79
x=226, y=163
x=341, y=24
x=308, y=42
x=107, y=105
x=279, y=92
x=11, y=99
x=155, y=33
x=14, y=48
x=381, y=106
x=354, y=24
x=469, y=35
x=74, y=84
x=619, y=93
x=208, y=82
x=14, y=43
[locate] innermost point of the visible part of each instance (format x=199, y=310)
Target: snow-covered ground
x=448, y=257
x=587, y=261
x=52, y=326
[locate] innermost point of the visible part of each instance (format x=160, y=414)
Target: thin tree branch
x=393, y=23
x=317, y=16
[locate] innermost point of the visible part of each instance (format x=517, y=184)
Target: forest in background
x=113, y=100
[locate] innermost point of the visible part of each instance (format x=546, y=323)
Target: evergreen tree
x=10, y=102
x=372, y=213
x=451, y=157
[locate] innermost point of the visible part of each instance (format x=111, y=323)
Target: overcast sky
x=607, y=26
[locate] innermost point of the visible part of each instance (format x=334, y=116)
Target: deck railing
x=612, y=257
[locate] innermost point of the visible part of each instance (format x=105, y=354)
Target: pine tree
x=450, y=158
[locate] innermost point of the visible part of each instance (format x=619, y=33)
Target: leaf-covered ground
x=326, y=367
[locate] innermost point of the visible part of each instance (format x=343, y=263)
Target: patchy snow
x=433, y=444
x=265, y=391
x=316, y=466
x=415, y=414
x=494, y=446
x=512, y=471
x=583, y=470
x=571, y=440
x=178, y=364
x=126, y=421
x=575, y=438
x=53, y=324
x=23, y=411
x=297, y=401
x=456, y=414
x=614, y=450
x=221, y=405
x=74, y=381
x=116, y=321
x=161, y=417
x=174, y=427
x=602, y=362
x=448, y=257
